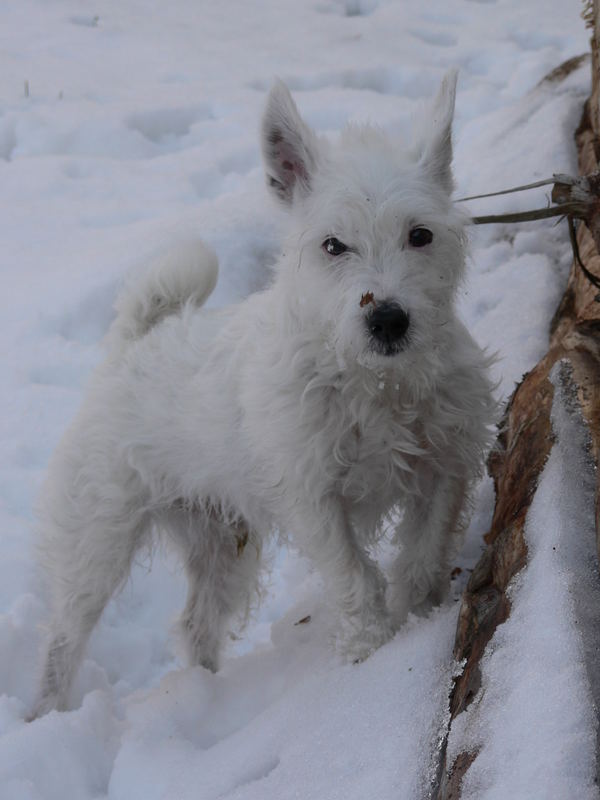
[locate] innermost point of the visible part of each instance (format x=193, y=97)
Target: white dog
x=319, y=407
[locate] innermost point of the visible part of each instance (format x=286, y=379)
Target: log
x=525, y=439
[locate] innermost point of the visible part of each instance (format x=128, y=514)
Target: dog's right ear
x=289, y=146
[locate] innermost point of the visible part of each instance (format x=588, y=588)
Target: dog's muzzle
x=388, y=325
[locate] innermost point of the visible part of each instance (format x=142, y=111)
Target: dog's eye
x=334, y=247
x=419, y=237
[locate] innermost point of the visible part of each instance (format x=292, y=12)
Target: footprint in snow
x=167, y=125
x=348, y=8
x=88, y=321
x=438, y=38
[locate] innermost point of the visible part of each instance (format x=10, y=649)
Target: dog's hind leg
x=222, y=562
x=86, y=561
x=428, y=534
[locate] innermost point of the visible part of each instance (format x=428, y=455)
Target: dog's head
x=377, y=248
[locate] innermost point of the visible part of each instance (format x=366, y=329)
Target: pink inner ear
x=289, y=161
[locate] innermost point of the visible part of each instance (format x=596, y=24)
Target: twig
x=507, y=191
x=556, y=178
x=574, y=198
x=563, y=210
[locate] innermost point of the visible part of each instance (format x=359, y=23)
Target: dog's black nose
x=388, y=324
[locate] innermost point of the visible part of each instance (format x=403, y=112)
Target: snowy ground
x=124, y=123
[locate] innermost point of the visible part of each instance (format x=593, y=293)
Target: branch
x=564, y=210
x=574, y=197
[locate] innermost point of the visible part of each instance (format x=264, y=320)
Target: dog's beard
x=363, y=351
x=410, y=366
x=389, y=350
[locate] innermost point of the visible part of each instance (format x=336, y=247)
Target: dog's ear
x=436, y=156
x=289, y=146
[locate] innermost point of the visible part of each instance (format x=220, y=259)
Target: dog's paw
x=362, y=636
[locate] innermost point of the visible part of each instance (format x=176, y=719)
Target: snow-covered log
x=524, y=443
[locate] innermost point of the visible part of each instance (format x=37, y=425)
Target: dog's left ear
x=290, y=147
x=436, y=156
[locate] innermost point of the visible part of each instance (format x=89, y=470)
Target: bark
x=525, y=440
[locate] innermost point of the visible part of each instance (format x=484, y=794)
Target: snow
x=127, y=124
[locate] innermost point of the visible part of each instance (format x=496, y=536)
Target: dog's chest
x=377, y=455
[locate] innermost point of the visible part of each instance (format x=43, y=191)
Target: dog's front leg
x=428, y=535
x=325, y=534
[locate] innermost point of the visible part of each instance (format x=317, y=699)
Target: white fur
x=219, y=427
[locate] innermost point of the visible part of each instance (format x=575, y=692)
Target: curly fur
x=221, y=426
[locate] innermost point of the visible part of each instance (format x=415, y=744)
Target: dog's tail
x=180, y=276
